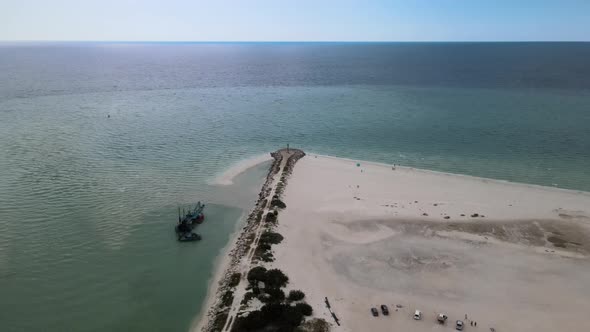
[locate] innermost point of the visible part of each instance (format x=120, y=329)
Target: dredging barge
x=188, y=221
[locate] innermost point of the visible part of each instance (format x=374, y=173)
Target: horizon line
x=293, y=41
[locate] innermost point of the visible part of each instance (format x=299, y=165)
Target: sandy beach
x=512, y=257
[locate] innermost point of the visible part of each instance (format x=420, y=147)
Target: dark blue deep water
x=87, y=202
x=70, y=68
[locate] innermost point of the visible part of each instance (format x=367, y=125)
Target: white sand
x=358, y=236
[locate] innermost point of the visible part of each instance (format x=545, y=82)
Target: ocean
x=102, y=142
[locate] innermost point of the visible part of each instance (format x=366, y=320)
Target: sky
x=295, y=20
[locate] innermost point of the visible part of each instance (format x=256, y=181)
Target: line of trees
x=279, y=312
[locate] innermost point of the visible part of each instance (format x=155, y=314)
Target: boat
x=188, y=237
x=183, y=228
x=193, y=216
x=189, y=220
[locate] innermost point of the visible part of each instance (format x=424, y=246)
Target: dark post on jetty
x=331, y=312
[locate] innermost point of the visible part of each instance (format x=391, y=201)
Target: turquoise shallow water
x=88, y=202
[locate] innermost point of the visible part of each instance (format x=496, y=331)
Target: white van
x=418, y=315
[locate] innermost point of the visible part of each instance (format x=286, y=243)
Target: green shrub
x=282, y=314
x=304, y=308
x=247, y=297
x=271, y=317
x=278, y=203
x=256, y=274
x=271, y=237
x=314, y=325
x=271, y=218
x=219, y=321
x=296, y=295
x=250, y=237
x=234, y=280
x=273, y=295
x=253, y=322
x=292, y=317
x=259, y=215
x=262, y=246
x=275, y=278
x=227, y=298
x=267, y=257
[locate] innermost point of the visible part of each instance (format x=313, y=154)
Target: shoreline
x=219, y=267
x=459, y=175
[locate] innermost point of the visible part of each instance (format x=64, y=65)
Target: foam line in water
x=226, y=177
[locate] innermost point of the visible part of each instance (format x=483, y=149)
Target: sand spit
x=226, y=178
x=509, y=256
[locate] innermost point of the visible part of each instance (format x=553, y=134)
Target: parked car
x=418, y=315
x=442, y=318
x=374, y=312
x=459, y=325
x=384, y=310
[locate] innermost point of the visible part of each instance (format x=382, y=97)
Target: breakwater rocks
x=218, y=312
x=294, y=156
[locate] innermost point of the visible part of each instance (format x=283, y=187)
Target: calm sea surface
x=87, y=202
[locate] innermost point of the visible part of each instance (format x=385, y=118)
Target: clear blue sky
x=295, y=20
